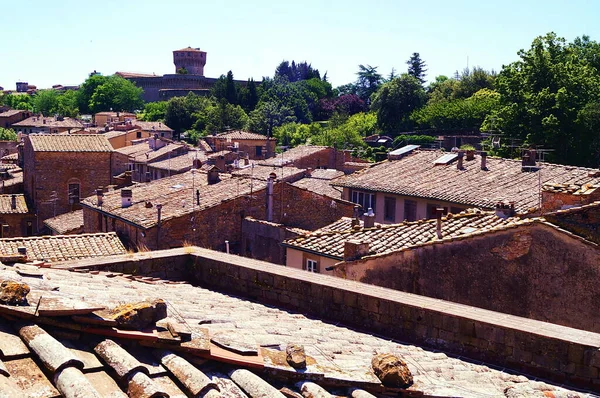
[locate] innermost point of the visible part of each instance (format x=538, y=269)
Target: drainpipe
x=227, y=246
x=439, y=211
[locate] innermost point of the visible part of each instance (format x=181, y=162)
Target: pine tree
x=231, y=90
x=417, y=67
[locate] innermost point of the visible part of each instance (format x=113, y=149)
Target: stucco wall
x=532, y=271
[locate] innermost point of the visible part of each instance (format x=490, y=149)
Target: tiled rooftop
x=64, y=247
x=178, y=163
x=416, y=175
x=139, y=151
x=320, y=182
x=70, y=143
x=393, y=237
x=152, y=126
x=74, y=356
x=293, y=154
x=10, y=113
x=40, y=121
x=262, y=172
x=343, y=224
x=6, y=204
x=177, y=194
x=66, y=223
x=242, y=135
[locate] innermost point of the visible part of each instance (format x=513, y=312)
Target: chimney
x=439, y=211
x=126, y=197
x=483, y=160
x=13, y=201
x=528, y=160
x=308, y=172
x=212, y=175
x=369, y=219
x=356, y=217
x=159, y=209
x=196, y=164
x=459, y=165
x=270, y=182
x=220, y=162
x=505, y=210
x=355, y=249
x=100, y=196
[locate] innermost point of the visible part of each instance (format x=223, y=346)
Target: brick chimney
x=355, y=249
x=13, y=202
x=528, y=160
x=439, y=211
x=459, y=164
x=483, y=160
x=99, y=196
x=505, y=210
x=369, y=219
x=356, y=217
x=270, y=182
x=196, y=163
x=212, y=175
x=126, y=197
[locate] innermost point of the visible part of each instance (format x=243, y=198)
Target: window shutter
x=304, y=260
x=318, y=270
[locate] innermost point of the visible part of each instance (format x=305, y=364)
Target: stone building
x=255, y=146
x=417, y=182
x=188, y=77
x=60, y=170
x=47, y=125
x=12, y=116
x=15, y=217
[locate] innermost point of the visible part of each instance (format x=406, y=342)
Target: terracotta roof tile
x=152, y=126
x=139, y=151
x=320, y=182
x=342, y=355
x=343, y=224
x=66, y=223
x=393, y=237
x=171, y=193
x=70, y=143
x=64, y=247
x=10, y=113
x=262, y=172
x=6, y=204
x=40, y=121
x=293, y=155
x=416, y=175
x=179, y=163
x=242, y=135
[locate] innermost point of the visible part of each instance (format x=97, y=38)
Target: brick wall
x=46, y=175
x=533, y=271
x=261, y=240
x=584, y=222
x=554, y=352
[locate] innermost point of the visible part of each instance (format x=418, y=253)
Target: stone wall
x=554, y=352
x=534, y=271
x=583, y=222
x=261, y=240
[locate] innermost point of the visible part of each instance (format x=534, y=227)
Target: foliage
x=467, y=147
x=7, y=134
x=395, y=101
x=347, y=104
x=223, y=116
x=104, y=93
x=21, y=102
x=365, y=124
x=248, y=96
x=52, y=102
x=268, y=115
x=461, y=113
x=154, y=111
x=182, y=71
x=184, y=112
x=297, y=72
x=550, y=97
x=294, y=134
x=417, y=139
x=368, y=82
x=416, y=67
x=463, y=86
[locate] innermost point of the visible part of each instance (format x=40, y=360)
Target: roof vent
x=126, y=197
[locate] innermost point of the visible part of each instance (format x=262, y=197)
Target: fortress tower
x=191, y=59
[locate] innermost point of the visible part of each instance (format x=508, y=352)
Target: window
x=138, y=134
x=312, y=266
x=432, y=210
x=410, y=210
x=389, y=209
x=258, y=151
x=74, y=193
x=364, y=199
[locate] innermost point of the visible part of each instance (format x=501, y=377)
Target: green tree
x=87, y=89
x=416, y=67
x=268, y=115
x=67, y=104
x=154, y=111
x=231, y=91
x=185, y=113
x=223, y=116
x=21, y=102
x=294, y=134
x=7, y=134
x=116, y=94
x=368, y=82
x=548, y=98
x=394, y=102
x=248, y=96
x=45, y=102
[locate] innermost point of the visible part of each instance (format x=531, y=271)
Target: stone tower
x=190, y=59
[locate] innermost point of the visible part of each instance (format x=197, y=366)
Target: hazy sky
x=47, y=42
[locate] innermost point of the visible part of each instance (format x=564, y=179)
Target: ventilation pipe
x=438, y=228
x=483, y=160
x=459, y=165
x=100, y=196
x=369, y=218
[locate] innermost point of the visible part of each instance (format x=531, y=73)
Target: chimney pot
x=100, y=196
x=356, y=217
x=459, y=164
x=126, y=197
x=483, y=160
x=439, y=211
x=369, y=218
x=13, y=202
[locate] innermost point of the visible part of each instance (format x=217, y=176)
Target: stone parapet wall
x=541, y=349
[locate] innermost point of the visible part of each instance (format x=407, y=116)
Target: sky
x=47, y=42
